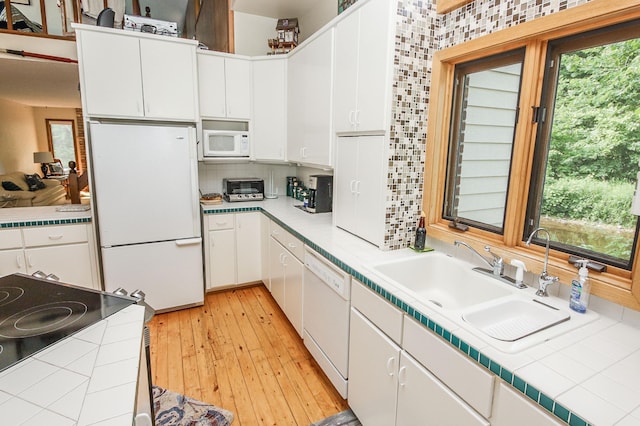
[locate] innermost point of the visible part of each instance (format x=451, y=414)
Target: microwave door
x=221, y=144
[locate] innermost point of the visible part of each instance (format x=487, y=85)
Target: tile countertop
x=590, y=375
x=89, y=378
x=37, y=216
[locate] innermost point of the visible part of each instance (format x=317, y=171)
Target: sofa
x=45, y=192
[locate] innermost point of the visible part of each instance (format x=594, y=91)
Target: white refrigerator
x=144, y=179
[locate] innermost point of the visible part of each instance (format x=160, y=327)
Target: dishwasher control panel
x=333, y=277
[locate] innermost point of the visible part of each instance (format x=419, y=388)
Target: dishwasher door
x=326, y=317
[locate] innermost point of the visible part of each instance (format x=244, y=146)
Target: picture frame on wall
x=25, y=2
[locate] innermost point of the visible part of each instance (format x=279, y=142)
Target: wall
x=251, y=33
x=316, y=18
x=18, y=138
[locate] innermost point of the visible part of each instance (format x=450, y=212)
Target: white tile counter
x=16, y=217
x=89, y=378
x=590, y=375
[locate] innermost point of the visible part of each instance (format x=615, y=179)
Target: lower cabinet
x=65, y=251
x=286, y=269
x=232, y=249
x=511, y=408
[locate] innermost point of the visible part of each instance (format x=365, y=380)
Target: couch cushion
x=10, y=186
x=34, y=182
x=17, y=178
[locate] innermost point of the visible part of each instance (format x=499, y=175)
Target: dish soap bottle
x=421, y=233
x=580, y=288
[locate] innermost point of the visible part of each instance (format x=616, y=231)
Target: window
x=588, y=145
x=62, y=141
x=484, y=116
x=570, y=150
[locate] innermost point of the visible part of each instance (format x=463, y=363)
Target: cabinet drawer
x=54, y=235
x=474, y=384
x=384, y=315
x=221, y=221
x=278, y=233
x=10, y=239
x=511, y=408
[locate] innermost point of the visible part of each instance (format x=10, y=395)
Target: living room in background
x=62, y=141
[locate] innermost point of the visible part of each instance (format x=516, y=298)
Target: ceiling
x=42, y=83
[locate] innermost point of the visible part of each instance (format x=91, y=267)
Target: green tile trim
x=26, y=224
x=474, y=354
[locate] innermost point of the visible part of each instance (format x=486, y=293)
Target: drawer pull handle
x=292, y=245
x=390, y=369
x=56, y=237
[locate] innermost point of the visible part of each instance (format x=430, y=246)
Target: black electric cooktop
x=36, y=313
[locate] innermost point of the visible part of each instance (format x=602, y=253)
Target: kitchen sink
x=442, y=280
x=511, y=320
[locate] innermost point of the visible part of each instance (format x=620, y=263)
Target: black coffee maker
x=320, y=193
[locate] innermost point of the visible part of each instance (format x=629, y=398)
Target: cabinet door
x=12, y=261
x=309, y=138
x=373, y=364
x=344, y=205
x=423, y=399
x=511, y=408
x=374, y=65
x=71, y=263
x=211, y=82
x=276, y=256
x=169, y=79
x=111, y=74
x=269, y=109
x=222, y=258
x=371, y=172
x=248, y=248
x=238, y=88
x=345, y=84
x=293, y=291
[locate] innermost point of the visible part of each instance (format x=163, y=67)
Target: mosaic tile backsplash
x=420, y=31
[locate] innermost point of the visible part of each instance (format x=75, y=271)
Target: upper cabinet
x=224, y=86
x=309, y=90
x=363, y=68
x=133, y=75
x=269, y=134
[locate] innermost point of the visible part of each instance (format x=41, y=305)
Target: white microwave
x=225, y=143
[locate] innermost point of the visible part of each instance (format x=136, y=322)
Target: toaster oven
x=243, y=189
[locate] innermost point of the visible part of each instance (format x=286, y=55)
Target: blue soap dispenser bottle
x=580, y=288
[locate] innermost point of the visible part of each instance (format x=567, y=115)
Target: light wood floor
x=239, y=352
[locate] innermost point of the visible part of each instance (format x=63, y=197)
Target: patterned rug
x=173, y=409
x=344, y=418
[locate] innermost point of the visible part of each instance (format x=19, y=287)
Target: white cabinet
x=134, y=75
x=363, y=68
x=511, y=408
x=232, y=249
x=423, y=399
x=64, y=251
x=286, y=253
x=373, y=368
x=269, y=135
x=224, y=85
x=359, y=181
x=309, y=90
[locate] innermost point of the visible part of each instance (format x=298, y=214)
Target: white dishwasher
x=327, y=295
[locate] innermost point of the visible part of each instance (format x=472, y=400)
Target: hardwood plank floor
x=238, y=351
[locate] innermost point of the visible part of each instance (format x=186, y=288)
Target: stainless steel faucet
x=496, y=263
x=544, y=280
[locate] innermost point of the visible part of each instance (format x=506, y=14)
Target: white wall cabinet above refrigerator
x=309, y=94
x=135, y=75
x=363, y=68
x=224, y=86
x=269, y=136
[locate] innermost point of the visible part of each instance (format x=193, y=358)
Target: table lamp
x=44, y=158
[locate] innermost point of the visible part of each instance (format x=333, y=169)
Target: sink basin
x=442, y=280
x=511, y=320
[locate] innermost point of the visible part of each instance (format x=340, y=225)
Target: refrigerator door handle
x=188, y=242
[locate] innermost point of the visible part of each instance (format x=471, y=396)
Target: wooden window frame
x=617, y=285
x=76, y=148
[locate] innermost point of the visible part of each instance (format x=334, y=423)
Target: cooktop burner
x=36, y=313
